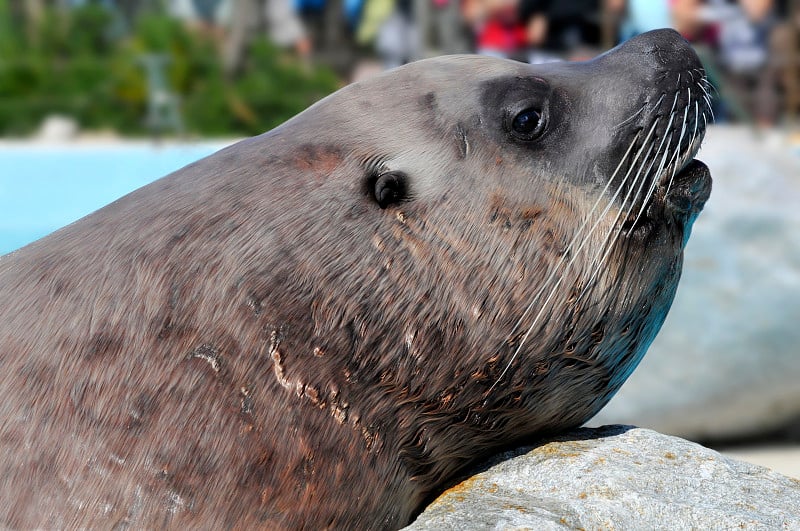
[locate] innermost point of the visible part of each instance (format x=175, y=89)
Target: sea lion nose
x=662, y=49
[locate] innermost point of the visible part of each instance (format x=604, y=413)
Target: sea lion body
x=323, y=325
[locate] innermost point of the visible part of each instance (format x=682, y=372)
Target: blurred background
x=198, y=68
x=98, y=98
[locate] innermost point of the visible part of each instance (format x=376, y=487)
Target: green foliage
x=67, y=62
x=271, y=90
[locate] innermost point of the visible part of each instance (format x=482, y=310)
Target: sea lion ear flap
x=390, y=188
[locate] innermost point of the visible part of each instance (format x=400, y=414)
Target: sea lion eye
x=527, y=124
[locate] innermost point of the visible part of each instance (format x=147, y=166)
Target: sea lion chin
x=323, y=325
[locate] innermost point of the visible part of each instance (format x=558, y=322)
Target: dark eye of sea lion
x=390, y=188
x=528, y=124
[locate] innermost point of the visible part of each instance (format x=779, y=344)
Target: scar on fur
x=321, y=399
x=208, y=353
x=246, y=393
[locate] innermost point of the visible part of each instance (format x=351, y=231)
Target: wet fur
x=252, y=341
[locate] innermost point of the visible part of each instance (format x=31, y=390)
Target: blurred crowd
x=751, y=48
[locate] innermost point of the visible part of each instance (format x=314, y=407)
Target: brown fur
x=251, y=341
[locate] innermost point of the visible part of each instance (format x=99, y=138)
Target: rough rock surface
x=618, y=477
x=727, y=361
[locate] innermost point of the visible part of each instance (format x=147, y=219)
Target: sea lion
x=323, y=325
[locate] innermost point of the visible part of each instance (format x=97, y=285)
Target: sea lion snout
x=654, y=90
x=663, y=50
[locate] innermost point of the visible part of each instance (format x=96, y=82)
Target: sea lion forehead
x=454, y=81
x=459, y=70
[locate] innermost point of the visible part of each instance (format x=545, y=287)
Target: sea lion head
x=490, y=246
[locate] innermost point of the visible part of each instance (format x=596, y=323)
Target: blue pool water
x=43, y=188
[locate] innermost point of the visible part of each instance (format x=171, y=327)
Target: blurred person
x=558, y=29
x=332, y=26
x=744, y=34
x=441, y=27
x=747, y=55
x=497, y=28
x=785, y=55
x=276, y=17
x=390, y=26
x=641, y=16
x=749, y=59
x=690, y=20
x=407, y=30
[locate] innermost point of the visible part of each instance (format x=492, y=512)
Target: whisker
x=704, y=87
x=676, y=159
x=653, y=185
x=600, y=250
x=708, y=105
x=634, y=201
x=706, y=95
x=645, y=166
x=631, y=117
x=574, y=256
x=710, y=85
x=608, y=244
x=633, y=185
x=595, y=263
x=663, y=160
x=578, y=235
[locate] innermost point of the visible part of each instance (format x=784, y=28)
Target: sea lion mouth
x=689, y=189
x=661, y=134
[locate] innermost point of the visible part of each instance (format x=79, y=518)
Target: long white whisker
x=629, y=118
x=631, y=188
x=608, y=246
x=707, y=95
x=605, y=249
x=708, y=104
x=578, y=235
x=660, y=170
x=709, y=84
x=661, y=166
x=594, y=261
x=704, y=89
x=639, y=180
x=574, y=256
x=676, y=158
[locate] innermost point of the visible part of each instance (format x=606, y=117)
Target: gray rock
x=727, y=361
x=618, y=477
